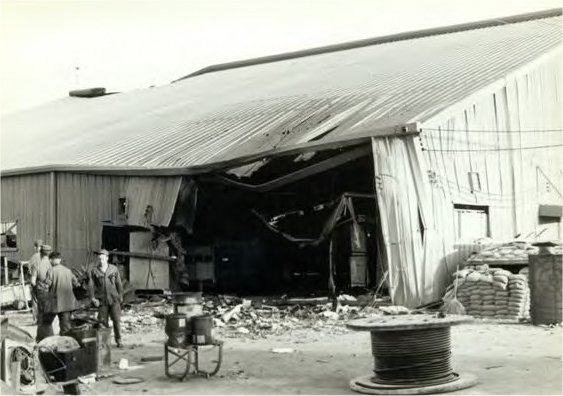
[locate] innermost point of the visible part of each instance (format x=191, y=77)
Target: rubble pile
x=493, y=293
x=239, y=317
x=255, y=319
x=147, y=314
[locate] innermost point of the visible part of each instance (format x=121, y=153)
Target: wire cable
x=490, y=130
x=412, y=356
x=495, y=149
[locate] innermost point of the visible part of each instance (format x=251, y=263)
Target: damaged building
x=339, y=168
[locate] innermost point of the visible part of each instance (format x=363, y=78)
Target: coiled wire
x=408, y=357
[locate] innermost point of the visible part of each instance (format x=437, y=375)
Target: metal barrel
x=188, y=303
x=176, y=329
x=545, y=288
x=202, y=330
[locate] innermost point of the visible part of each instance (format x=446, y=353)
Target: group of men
x=53, y=287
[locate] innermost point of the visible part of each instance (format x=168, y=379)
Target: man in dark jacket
x=62, y=302
x=106, y=292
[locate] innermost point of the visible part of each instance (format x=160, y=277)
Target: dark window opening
x=9, y=234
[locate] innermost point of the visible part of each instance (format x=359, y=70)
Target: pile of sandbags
x=493, y=293
x=511, y=252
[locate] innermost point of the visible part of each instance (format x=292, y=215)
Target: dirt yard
x=508, y=359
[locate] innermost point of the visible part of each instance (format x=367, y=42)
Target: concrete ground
x=507, y=358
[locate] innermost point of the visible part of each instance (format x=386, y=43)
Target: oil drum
x=176, y=330
x=545, y=287
x=202, y=330
x=187, y=303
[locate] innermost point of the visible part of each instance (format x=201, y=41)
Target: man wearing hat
x=33, y=264
x=62, y=302
x=39, y=284
x=106, y=293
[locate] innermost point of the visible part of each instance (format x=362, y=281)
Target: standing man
x=106, y=293
x=62, y=302
x=33, y=264
x=41, y=290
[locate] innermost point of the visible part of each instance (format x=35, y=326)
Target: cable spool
x=412, y=354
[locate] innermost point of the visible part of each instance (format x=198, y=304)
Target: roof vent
x=87, y=93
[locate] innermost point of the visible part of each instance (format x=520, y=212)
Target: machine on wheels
x=190, y=334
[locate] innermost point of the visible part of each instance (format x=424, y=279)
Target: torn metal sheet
x=249, y=169
x=300, y=174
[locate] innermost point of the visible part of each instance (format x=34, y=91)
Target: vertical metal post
x=6, y=279
x=53, y=210
x=22, y=280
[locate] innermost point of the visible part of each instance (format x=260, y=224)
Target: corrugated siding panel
x=160, y=193
x=27, y=199
x=84, y=201
x=222, y=115
x=487, y=136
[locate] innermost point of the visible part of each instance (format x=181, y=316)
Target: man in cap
x=38, y=282
x=33, y=264
x=106, y=293
x=62, y=302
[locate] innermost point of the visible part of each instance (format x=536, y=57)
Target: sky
x=49, y=47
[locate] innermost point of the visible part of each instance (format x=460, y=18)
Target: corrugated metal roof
x=229, y=113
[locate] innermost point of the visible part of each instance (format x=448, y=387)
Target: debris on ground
x=87, y=379
x=260, y=317
x=282, y=350
x=346, y=298
x=127, y=380
x=123, y=364
x=157, y=358
x=395, y=310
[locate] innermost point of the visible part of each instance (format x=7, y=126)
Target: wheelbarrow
x=63, y=360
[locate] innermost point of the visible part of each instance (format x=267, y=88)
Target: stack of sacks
x=512, y=252
x=500, y=283
x=519, y=297
x=492, y=293
x=466, y=287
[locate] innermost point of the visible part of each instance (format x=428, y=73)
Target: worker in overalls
x=41, y=290
x=106, y=292
x=33, y=264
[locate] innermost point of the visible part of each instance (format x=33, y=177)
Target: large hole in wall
x=233, y=250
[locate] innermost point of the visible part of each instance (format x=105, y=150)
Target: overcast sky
x=123, y=45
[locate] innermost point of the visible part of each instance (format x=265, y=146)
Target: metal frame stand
x=190, y=355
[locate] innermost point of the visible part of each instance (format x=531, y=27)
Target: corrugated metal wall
x=83, y=203
x=27, y=199
x=509, y=137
